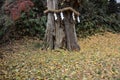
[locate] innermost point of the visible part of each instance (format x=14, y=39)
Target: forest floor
x=98, y=59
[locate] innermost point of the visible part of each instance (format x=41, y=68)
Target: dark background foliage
x=96, y=16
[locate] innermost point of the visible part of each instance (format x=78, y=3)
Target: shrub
x=31, y=24
x=94, y=18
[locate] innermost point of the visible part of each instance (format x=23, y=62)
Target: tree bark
x=49, y=36
x=60, y=33
x=70, y=32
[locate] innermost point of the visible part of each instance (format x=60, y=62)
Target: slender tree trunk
x=60, y=33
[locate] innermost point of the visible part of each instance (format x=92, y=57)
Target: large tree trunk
x=60, y=33
x=49, y=36
x=70, y=32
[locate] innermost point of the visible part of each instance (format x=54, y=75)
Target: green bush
x=31, y=24
x=94, y=18
x=5, y=27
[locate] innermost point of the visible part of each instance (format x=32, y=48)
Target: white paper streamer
x=62, y=16
x=55, y=15
x=78, y=19
x=73, y=15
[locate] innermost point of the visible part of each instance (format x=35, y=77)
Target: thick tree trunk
x=60, y=33
x=70, y=32
x=49, y=36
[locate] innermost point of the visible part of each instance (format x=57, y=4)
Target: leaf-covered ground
x=99, y=59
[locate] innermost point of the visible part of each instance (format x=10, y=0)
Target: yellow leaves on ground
x=99, y=59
